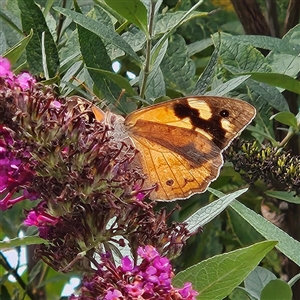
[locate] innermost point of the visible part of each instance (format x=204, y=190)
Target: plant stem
x=146, y=70
x=286, y=139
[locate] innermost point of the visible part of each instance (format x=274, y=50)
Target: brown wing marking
x=174, y=172
x=159, y=171
x=189, y=144
x=175, y=175
x=193, y=179
x=218, y=118
x=147, y=164
x=187, y=179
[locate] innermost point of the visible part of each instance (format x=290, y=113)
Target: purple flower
x=161, y=263
x=5, y=68
x=126, y=264
x=143, y=281
x=148, y=252
x=134, y=290
x=187, y=293
x=25, y=80
x=14, y=175
x=36, y=219
x=113, y=295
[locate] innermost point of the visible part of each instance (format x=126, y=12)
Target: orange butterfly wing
x=181, y=141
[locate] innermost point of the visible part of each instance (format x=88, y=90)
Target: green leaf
x=285, y=196
x=263, y=97
x=287, y=118
x=101, y=14
x=177, y=23
x=199, y=46
x=36, y=271
x=148, y=84
x=71, y=54
x=104, y=32
x=269, y=43
x=282, y=63
x=72, y=72
x=96, y=58
x=48, y=6
x=298, y=117
x=134, y=37
x=18, y=242
x=207, y=213
x=241, y=57
x=41, y=51
x=178, y=69
x=242, y=231
x=206, y=77
x=9, y=21
x=257, y=280
x=10, y=26
x=287, y=245
x=276, y=289
x=15, y=52
x=275, y=79
x=152, y=7
x=285, y=59
x=292, y=36
x=4, y=291
x=159, y=57
x=263, y=94
x=54, y=283
x=11, y=219
x=3, y=42
x=166, y=22
x=228, y=86
x=262, y=133
x=155, y=86
x=239, y=293
x=118, y=79
x=216, y=277
x=132, y=10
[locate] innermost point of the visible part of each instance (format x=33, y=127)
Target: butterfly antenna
x=95, y=100
x=120, y=97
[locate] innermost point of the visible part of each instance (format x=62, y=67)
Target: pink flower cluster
x=151, y=279
x=23, y=81
x=13, y=173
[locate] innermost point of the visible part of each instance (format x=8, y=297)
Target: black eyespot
x=224, y=113
x=170, y=182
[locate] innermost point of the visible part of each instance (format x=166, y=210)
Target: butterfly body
x=181, y=141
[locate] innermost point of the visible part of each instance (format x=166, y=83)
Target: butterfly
x=180, y=141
